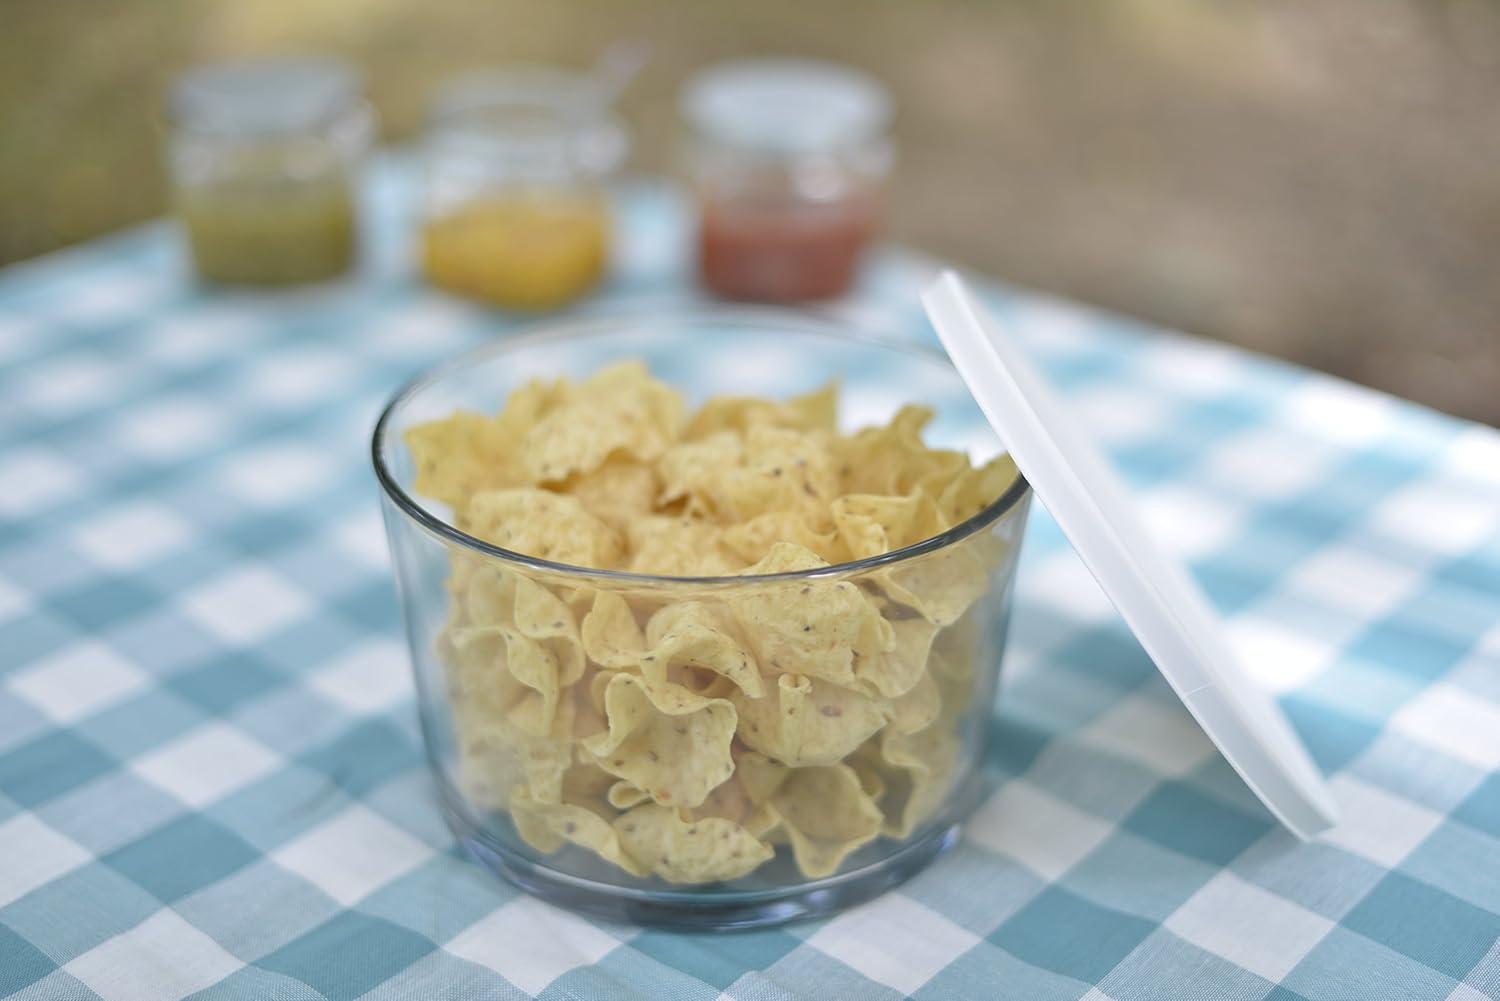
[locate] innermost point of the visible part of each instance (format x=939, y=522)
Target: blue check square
x=75, y=912
x=225, y=681
x=365, y=756
x=1482, y=807
x=1425, y=923
x=103, y=602
x=1407, y=644
x=32, y=636
x=21, y=963
x=346, y=956
x=1064, y=933
x=1346, y=964
x=1181, y=818
x=50, y=765
x=182, y=857
x=713, y=959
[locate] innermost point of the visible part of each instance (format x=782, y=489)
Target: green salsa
x=270, y=231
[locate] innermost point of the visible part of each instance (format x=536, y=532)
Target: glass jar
x=263, y=157
x=516, y=208
x=787, y=158
x=877, y=785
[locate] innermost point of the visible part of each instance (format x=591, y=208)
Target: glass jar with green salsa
x=262, y=157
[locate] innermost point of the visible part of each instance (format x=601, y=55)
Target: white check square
x=1162, y=736
x=276, y=475
x=1192, y=368
x=1052, y=327
x=1455, y=722
x=1439, y=517
x=13, y=601
x=895, y=941
x=161, y=959
x=1474, y=456
x=370, y=679
x=1278, y=658
x=172, y=427
x=1376, y=824
x=15, y=333
x=1190, y=523
x=363, y=537
x=531, y=943
x=129, y=537
x=206, y=764
x=1117, y=415
x=246, y=605
x=196, y=335
x=426, y=328
x=352, y=855
x=1036, y=829
x=293, y=378
x=69, y=383
x=105, y=297
x=78, y=681
x=35, y=479
x=1341, y=412
x=1463, y=992
x=1353, y=579
x=35, y=854
x=1269, y=463
x=1064, y=586
x=1251, y=927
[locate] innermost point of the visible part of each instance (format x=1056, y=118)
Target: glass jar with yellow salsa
x=516, y=210
x=262, y=156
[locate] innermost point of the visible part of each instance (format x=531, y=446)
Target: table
x=210, y=777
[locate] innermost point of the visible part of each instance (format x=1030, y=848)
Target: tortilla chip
x=753, y=540
x=894, y=671
x=543, y=524
x=697, y=635
x=812, y=627
x=548, y=826
x=688, y=850
x=679, y=546
x=665, y=740
x=827, y=816
x=617, y=493
x=619, y=411
x=610, y=634
x=805, y=721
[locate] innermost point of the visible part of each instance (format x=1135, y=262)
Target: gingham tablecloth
x=210, y=777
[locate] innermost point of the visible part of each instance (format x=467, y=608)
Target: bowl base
x=686, y=910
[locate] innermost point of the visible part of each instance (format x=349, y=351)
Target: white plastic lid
x=276, y=96
x=787, y=106
x=1154, y=594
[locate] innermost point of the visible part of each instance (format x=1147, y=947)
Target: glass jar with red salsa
x=787, y=159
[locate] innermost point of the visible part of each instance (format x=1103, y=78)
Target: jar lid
x=786, y=106
x=530, y=112
x=262, y=97
x=1155, y=594
x=519, y=98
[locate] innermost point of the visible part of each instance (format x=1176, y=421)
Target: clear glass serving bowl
x=879, y=780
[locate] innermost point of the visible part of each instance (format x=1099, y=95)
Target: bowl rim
x=792, y=321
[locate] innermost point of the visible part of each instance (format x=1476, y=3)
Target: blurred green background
x=1317, y=181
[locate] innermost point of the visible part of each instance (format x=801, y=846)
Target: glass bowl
x=817, y=812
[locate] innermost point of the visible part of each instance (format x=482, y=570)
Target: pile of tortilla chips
x=685, y=729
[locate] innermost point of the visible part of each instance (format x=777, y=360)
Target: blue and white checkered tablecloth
x=210, y=777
